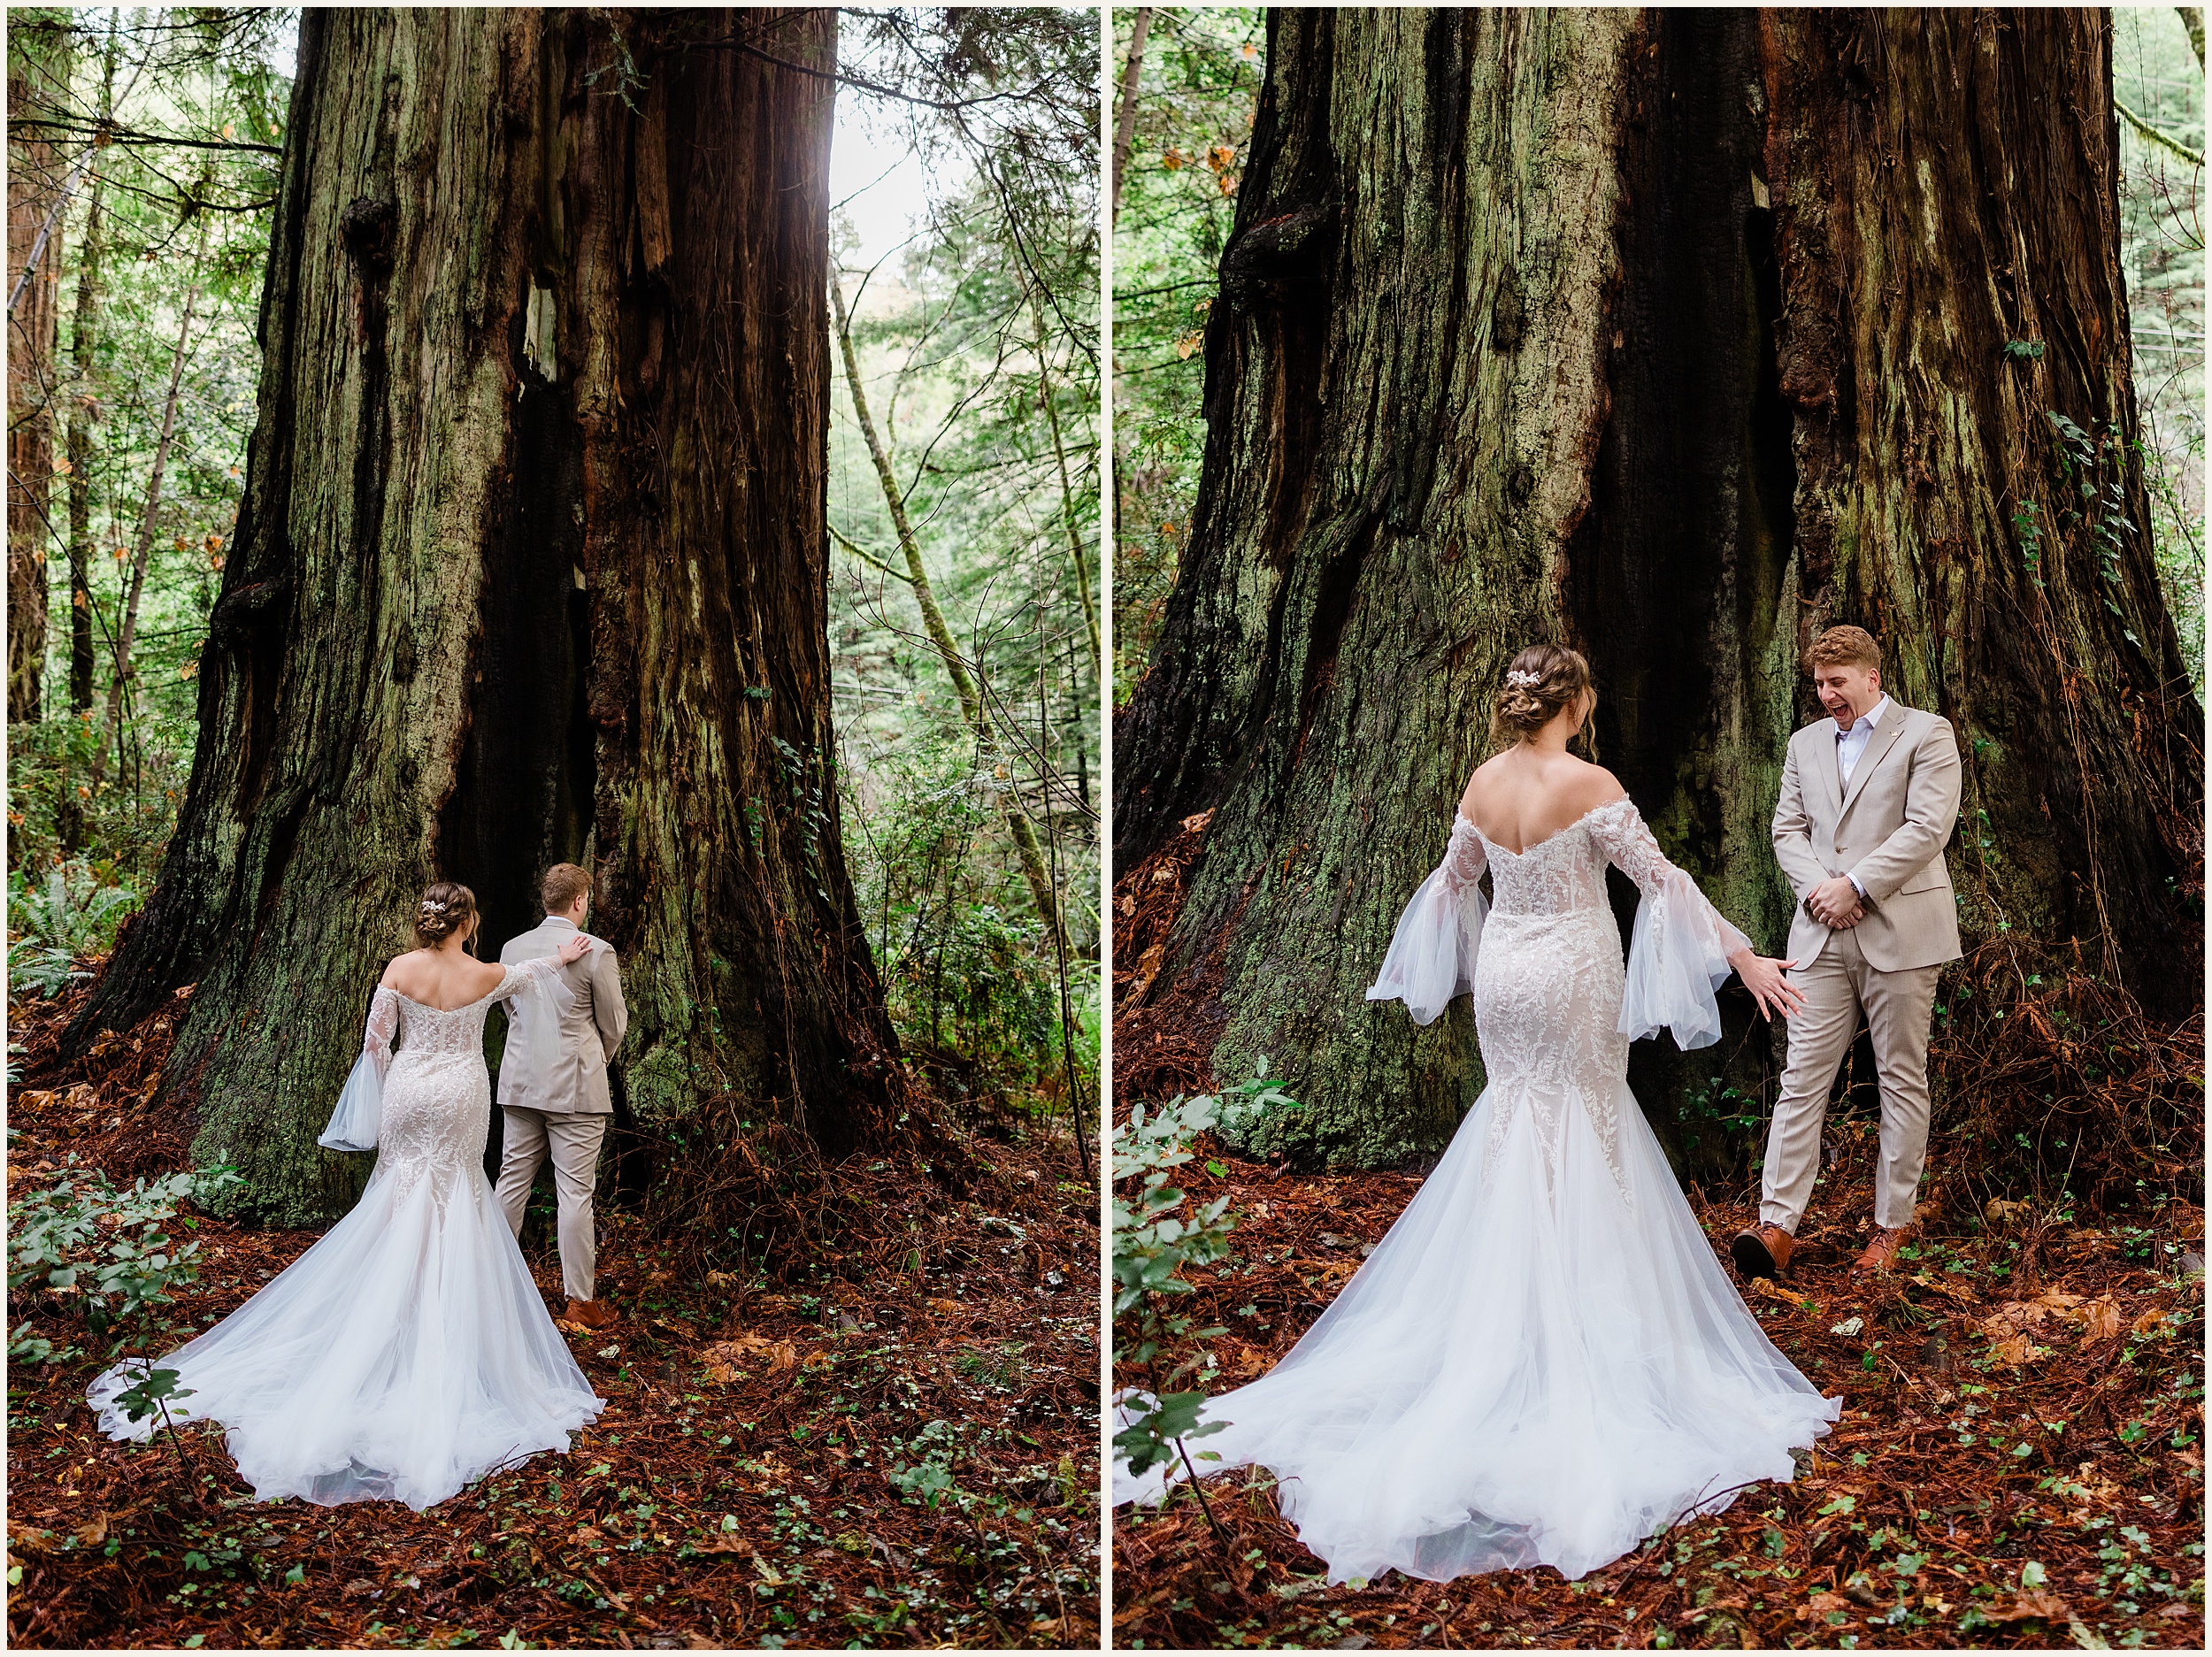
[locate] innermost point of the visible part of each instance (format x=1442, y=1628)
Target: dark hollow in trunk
x=530, y=567
x=1678, y=336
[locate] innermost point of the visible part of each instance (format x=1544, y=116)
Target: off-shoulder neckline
x=1604, y=805
x=429, y=1007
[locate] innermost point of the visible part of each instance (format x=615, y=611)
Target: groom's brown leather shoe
x=1880, y=1253
x=590, y=1313
x=1761, y=1250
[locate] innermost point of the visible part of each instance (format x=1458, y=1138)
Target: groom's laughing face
x=1847, y=689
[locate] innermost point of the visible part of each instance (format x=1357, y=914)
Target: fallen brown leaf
x=2049, y=1606
x=1818, y=1606
x=2147, y=1322
x=2100, y=1318
x=1767, y=1288
x=2016, y=1351
x=1943, y=1285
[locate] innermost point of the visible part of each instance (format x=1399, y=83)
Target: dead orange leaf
x=2049, y=1606
x=2100, y=1318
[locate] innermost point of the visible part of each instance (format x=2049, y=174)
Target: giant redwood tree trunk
x=1678, y=337
x=531, y=566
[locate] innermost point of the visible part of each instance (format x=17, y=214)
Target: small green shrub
x=1257, y=1117
x=928, y=1477
x=41, y=969
x=971, y=979
x=1152, y=1242
x=117, y=822
x=107, y=1252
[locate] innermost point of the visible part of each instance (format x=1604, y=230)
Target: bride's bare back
x=442, y=978
x=1528, y=794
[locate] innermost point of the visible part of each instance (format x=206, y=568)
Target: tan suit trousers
x=1837, y=987
x=573, y=1140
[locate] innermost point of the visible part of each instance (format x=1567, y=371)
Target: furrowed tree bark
x=38, y=80
x=530, y=566
x=1678, y=337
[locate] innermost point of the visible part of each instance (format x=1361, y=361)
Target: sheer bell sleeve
x=535, y=989
x=1432, y=956
x=355, y=1121
x=1678, y=954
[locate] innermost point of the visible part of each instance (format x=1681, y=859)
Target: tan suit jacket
x=564, y=1070
x=1889, y=829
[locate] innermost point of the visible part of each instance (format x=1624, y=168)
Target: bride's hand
x=573, y=949
x=1762, y=976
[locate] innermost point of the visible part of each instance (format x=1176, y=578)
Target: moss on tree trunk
x=531, y=566
x=1676, y=336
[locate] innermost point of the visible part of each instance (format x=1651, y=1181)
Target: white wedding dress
x=1542, y=1362
x=407, y=1352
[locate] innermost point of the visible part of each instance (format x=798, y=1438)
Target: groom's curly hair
x=1843, y=646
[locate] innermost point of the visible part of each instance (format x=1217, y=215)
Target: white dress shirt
x=1849, y=745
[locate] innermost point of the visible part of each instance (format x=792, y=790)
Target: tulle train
x=1531, y=1370
x=404, y=1355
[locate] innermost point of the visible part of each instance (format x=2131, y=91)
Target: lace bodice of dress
x=1566, y=870
x=432, y=1032
x=1555, y=1007
x=437, y=1094
x=444, y=1033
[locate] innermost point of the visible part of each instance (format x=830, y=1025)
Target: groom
x=553, y=1086
x=1868, y=799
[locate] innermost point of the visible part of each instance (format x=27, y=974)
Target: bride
x=407, y=1352
x=1542, y=1362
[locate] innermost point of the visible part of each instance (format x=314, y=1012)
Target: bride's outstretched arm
x=538, y=980
x=1432, y=954
x=1684, y=949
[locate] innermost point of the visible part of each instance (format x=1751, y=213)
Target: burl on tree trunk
x=531, y=566
x=1678, y=337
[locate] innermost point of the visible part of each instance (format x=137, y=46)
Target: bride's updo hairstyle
x=1543, y=679
x=447, y=908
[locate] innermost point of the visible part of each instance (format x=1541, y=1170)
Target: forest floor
x=854, y=1456
x=2019, y=1463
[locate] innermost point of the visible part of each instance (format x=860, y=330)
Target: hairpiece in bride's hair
x=1524, y=681
x=445, y=909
